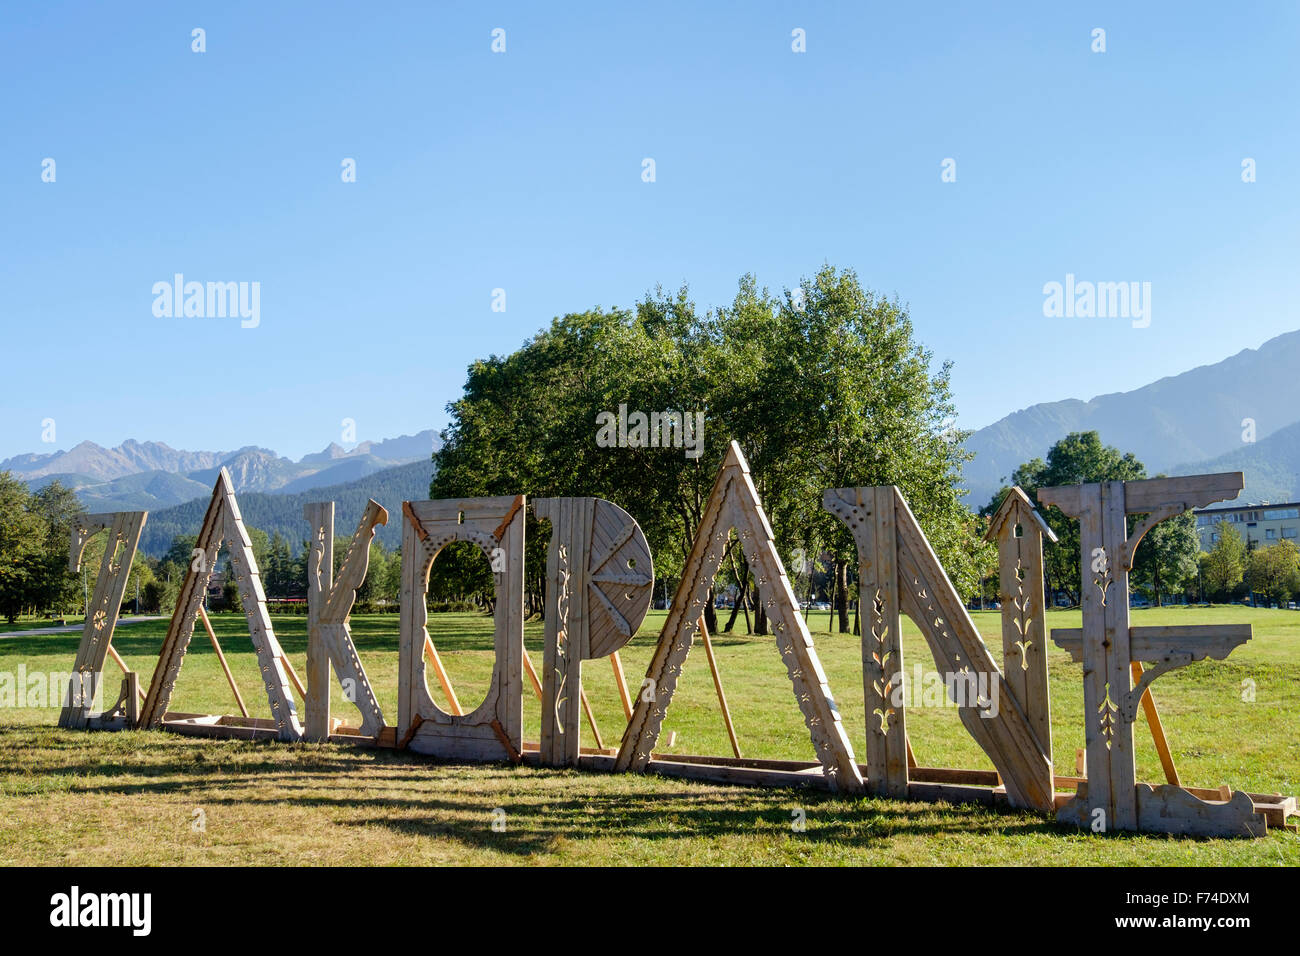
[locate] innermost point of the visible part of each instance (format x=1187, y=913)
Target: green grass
x=129, y=798
x=36, y=623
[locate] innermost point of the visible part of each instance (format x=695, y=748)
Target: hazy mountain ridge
x=283, y=512
x=1271, y=466
x=130, y=476
x=1178, y=422
x=94, y=461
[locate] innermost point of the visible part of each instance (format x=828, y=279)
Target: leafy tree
x=181, y=551
x=23, y=537
x=1166, y=557
x=1079, y=457
x=1224, y=566
x=822, y=388
x=278, y=576
x=1274, y=571
x=57, y=506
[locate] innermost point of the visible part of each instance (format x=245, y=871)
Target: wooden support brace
x=591, y=719
x=207, y=625
x=586, y=704
x=126, y=670
x=717, y=684
x=1157, y=728
x=532, y=675
x=622, y=685
x=293, y=676
x=443, y=679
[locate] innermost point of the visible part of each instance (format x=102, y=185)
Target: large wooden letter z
x=101, y=615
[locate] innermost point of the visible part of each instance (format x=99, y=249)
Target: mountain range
x=1191, y=423
x=152, y=475
x=282, y=512
x=1235, y=415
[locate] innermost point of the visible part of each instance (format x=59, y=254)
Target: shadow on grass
x=414, y=796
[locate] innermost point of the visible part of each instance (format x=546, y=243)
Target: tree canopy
x=823, y=386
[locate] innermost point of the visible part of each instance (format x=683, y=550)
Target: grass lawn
x=39, y=623
x=137, y=797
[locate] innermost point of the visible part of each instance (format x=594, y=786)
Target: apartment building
x=1259, y=525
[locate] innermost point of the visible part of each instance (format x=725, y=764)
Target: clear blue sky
x=522, y=171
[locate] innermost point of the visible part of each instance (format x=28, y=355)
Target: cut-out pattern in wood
x=1112, y=799
x=1019, y=530
x=223, y=522
x=600, y=579
x=494, y=729
x=123, y=529
x=893, y=551
x=734, y=503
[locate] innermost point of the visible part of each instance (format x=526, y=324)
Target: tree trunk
x=842, y=591
x=710, y=616
x=731, y=618
x=830, y=617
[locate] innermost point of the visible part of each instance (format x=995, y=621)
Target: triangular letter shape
x=734, y=504
x=223, y=522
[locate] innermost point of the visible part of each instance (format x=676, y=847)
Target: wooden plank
x=444, y=681
x=591, y=719
x=734, y=502
x=621, y=683
x=1170, y=809
x=180, y=629
x=132, y=698
x=1214, y=641
x=334, y=621
x=808, y=680
x=1100, y=712
x=102, y=612
x=565, y=626
x=1190, y=491
x=221, y=658
x=1156, y=727
x=320, y=579
x=532, y=675
x=1123, y=763
x=869, y=514
x=1023, y=602
x=717, y=686
x=270, y=656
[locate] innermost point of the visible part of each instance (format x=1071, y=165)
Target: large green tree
x=1079, y=457
x=1165, y=562
x=823, y=386
x=1225, y=564
x=1274, y=571
x=23, y=536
